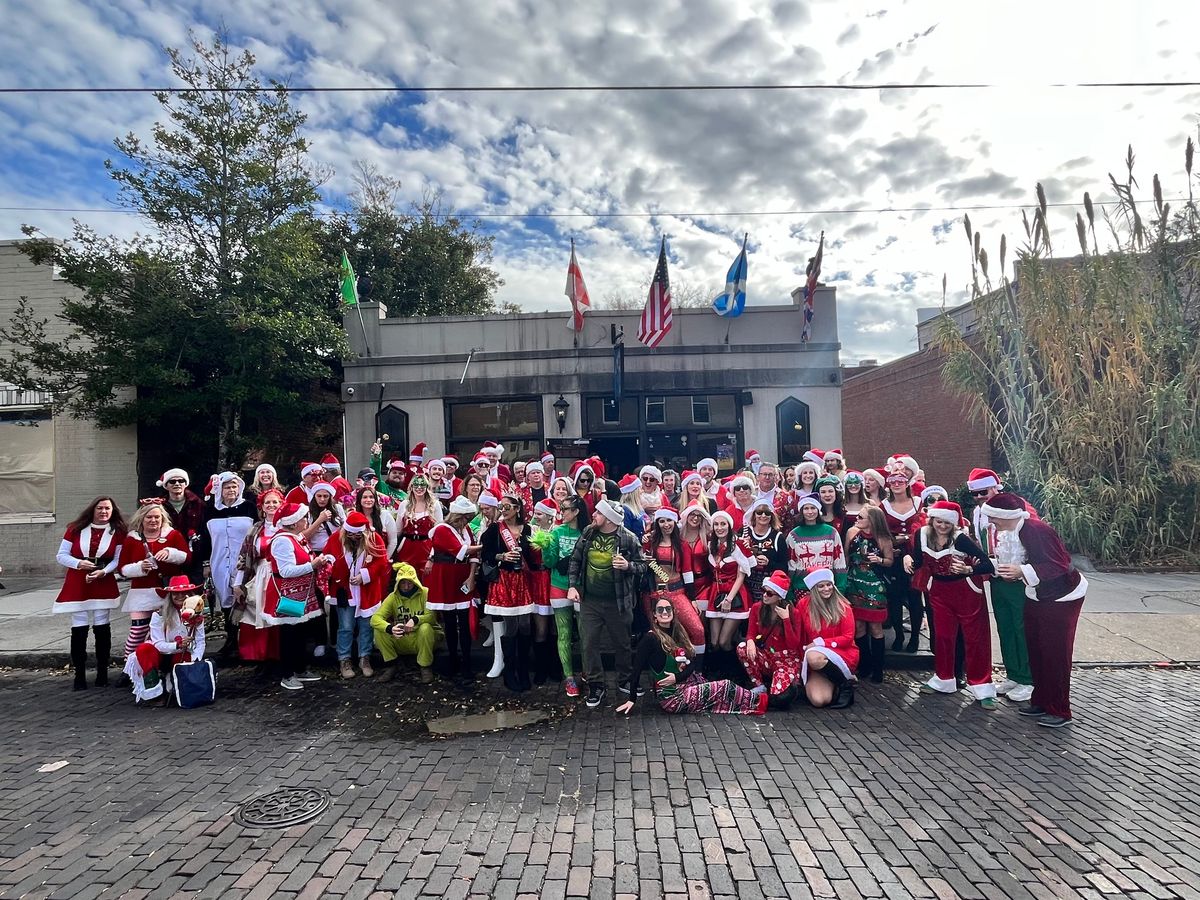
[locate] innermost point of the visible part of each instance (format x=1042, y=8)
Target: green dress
x=865, y=588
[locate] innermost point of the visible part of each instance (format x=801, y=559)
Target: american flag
x=810, y=288
x=577, y=291
x=656, y=317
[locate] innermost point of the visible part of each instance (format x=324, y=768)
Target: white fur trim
x=611, y=511
x=535, y=467
x=943, y=685
x=724, y=517
x=173, y=473
x=982, y=484
x=295, y=517
x=707, y=461
x=812, y=579
x=993, y=513
x=946, y=515
x=831, y=655
x=983, y=691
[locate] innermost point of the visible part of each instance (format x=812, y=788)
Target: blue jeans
x=347, y=620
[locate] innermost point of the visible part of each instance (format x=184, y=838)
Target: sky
x=704, y=167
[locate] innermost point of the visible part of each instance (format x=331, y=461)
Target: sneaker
x=1006, y=685
x=1031, y=711
x=989, y=703
x=623, y=687
x=426, y=674
x=1053, y=721
x=572, y=687
x=1021, y=693
x=307, y=676
x=291, y=683
x=347, y=669
x=595, y=695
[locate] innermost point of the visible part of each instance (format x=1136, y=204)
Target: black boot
x=876, y=656
x=916, y=614
x=786, y=699
x=79, y=655
x=103, y=635
x=229, y=649
x=864, y=652
x=843, y=687
x=539, y=662
x=523, y=647
x=508, y=646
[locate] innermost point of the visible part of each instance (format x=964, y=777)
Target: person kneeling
x=771, y=653
x=404, y=625
x=176, y=636
x=830, y=654
x=667, y=651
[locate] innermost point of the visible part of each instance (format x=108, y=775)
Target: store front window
x=516, y=424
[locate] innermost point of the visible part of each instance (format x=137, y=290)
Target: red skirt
x=509, y=595
x=258, y=644
x=445, y=583
x=414, y=552
x=539, y=590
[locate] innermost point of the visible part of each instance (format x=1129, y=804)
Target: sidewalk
x=1127, y=619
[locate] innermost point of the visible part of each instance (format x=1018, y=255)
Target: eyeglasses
x=507, y=506
x=664, y=609
x=176, y=481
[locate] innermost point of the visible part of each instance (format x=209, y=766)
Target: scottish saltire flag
x=732, y=300
x=656, y=316
x=810, y=288
x=577, y=291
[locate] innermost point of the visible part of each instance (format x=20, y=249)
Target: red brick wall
x=903, y=406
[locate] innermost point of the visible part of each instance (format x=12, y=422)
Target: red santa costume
x=701, y=569
x=679, y=570
x=956, y=601
x=258, y=641
x=291, y=572
x=370, y=563
x=143, y=596
x=777, y=646
x=102, y=545
x=301, y=493
x=835, y=640
x=735, y=559
x=414, y=527
x=1055, y=591
x=452, y=564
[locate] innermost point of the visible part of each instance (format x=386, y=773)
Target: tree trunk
x=228, y=428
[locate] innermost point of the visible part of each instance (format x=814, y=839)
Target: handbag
x=289, y=608
x=195, y=683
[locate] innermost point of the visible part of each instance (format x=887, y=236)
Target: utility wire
x=605, y=88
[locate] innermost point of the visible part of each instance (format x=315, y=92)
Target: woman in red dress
x=506, y=551
x=357, y=580
x=830, y=654
x=728, y=598
x=91, y=552
x=415, y=518
x=904, y=518
x=451, y=581
x=291, y=598
x=258, y=641
x=771, y=653
x=152, y=554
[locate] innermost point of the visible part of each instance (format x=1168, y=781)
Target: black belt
x=440, y=557
x=660, y=587
x=416, y=537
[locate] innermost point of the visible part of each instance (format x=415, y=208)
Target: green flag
x=349, y=283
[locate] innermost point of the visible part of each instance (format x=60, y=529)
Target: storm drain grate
x=282, y=808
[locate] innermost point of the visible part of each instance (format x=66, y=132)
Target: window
x=791, y=420
x=517, y=424
x=391, y=427
x=611, y=412
x=26, y=457
x=700, y=410
x=656, y=411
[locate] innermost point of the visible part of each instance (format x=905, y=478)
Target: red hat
x=982, y=479
x=547, y=457
x=779, y=582
x=946, y=510
x=814, y=455
x=418, y=453
x=481, y=457
x=597, y=466
x=629, y=484
x=179, y=584
x=490, y=445
x=547, y=506
x=289, y=514
x=396, y=461
x=450, y=460
x=310, y=468
x=1005, y=506
x=330, y=460
x=752, y=455
x=667, y=512
x=834, y=454
x=356, y=523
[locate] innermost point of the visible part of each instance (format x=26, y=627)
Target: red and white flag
x=577, y=292
x=656, y=317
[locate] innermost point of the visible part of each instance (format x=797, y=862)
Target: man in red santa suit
x=310, y=474
x=333, y=474
x=1054, y=591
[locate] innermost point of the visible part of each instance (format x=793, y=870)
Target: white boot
x=490, y=639
x=497, y=650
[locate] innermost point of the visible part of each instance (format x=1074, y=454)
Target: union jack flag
x=810, y=288
x=656, y=317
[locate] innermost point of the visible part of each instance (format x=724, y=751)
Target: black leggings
x=292, y=645
x=900, y=595
x=457, y=625
x=514, y=625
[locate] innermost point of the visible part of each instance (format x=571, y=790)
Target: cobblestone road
x=900, y=796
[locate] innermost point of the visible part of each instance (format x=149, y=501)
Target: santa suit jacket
x=1049, y=573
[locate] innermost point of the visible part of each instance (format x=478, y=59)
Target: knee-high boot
x=508, y=646
x=877, y=651
x=79, y=655
x=497, y=649
x=524, y=645
x=103, y=635
x=539, y=661
x=229, y=649
x=843, y=688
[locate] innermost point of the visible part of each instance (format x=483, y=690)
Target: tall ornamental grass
x=1087, y=372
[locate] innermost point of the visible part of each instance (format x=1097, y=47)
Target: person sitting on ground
x=771, y=653
x=666, y=651
x=172, y=640
x=404, y=625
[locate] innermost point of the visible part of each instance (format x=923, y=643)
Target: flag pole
x=363, y=325
x=574, y=333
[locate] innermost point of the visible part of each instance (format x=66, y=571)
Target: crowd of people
x=737, y=594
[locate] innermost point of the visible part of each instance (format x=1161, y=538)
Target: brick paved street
x=900, y=796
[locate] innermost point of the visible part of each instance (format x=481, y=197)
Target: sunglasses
x=648, y=478
x=742, y=487
x=979, y=493
x=664, y=609
x=762, y=512
x=585, y=481
x=176, y=481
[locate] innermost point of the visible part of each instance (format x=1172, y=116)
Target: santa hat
x=722, y=516
x=628, y=484
x=753, y=456
x=816, y=576
x=322, y=486
x=173, y=473
x=653, y=471
x=356, y=523
x=815, y=456
x=1005, y=506
x=611, y=511
x=739, y=481
x=933, y=489
x=547, y=458
x=418, y=453
x=480, y=457
x=309, y=468
x=546, y=507
x=266, y=467
x=778, y=582
x=762, y=501
x=329, y=461
x=666, y=512
x=535, y=466
x=289, y=514
x=461, y=506
x=451, y=462
x=947, y=511
x=487, y=498
x=815, y=468
x=876, y=476
x=689, y=475
x=833, y=454
x=597, y=466
x=809, y=500
x=578, y=469
x=489, y=445
x=396, y=461
x=982, y=479
x=906, y=460
x=707, y=461
x=435, y=462
x=697, y=507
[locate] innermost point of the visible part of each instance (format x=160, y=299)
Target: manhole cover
x=282, y=808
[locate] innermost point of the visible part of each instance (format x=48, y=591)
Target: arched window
x=393, y=422
x=791, y=421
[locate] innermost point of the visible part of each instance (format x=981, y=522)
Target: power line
x=675, y=215
x=607, y=88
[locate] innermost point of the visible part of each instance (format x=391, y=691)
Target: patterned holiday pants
x=698, y=695
x=782, y=669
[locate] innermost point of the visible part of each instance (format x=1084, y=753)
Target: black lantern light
x=560, y=412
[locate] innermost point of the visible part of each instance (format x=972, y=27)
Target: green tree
x=426, y=262
x=225, y=317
